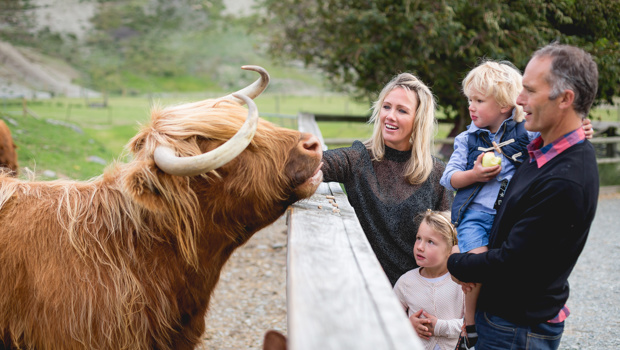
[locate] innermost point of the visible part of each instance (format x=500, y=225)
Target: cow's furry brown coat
x=128, y=260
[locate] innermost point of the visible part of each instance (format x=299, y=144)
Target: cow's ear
x=140, y=181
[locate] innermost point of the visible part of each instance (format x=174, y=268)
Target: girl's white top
x=440, y=297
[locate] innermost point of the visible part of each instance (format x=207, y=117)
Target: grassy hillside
x=67, y=151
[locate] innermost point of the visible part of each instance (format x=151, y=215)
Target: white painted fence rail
x=338, y=296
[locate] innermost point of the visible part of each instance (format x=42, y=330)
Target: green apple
x=489, y=159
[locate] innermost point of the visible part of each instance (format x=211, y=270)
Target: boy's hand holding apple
x=487, y=166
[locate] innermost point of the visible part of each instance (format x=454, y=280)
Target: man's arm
x=548, y=223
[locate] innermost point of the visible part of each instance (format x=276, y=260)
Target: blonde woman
x=392, y=177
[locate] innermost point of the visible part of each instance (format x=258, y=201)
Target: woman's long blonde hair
x=420, y=164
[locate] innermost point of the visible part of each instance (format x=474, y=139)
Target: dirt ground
x=251, y=295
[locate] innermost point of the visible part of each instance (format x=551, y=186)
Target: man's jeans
x=498, y=334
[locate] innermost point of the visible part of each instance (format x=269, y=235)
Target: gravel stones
x=250, y=297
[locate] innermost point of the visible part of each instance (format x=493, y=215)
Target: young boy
x=492, y=89
x=497, y=126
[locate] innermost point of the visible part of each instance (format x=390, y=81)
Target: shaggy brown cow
x=128, y=260
x=8, y=156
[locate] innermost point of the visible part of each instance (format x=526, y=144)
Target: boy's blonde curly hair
x=498, y=79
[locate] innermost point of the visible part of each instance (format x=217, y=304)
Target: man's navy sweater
x=538, y=234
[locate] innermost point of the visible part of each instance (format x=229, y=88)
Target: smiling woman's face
x=396, y=116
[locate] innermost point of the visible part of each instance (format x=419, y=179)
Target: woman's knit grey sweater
x=385, y=203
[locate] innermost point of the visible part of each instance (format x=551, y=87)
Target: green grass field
x=62, y=149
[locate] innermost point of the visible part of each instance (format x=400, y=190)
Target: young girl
x=434, y=303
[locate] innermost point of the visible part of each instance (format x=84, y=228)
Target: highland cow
x=8, y=156
x=129, y=259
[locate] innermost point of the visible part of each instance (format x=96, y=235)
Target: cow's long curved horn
x=254, y=89
x=168, y=162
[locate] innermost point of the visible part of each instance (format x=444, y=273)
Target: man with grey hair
x=543, y=223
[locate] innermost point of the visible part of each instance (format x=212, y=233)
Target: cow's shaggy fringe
x=108, y=257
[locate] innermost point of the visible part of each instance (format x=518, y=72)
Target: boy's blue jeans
x=496, y=333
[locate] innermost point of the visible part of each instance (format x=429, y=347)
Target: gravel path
x=251, y=295
x=595, y=284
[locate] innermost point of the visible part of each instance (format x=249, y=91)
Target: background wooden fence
x=605, y=140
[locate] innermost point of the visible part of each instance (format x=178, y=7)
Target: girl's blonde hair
x=439, y=221
x=420, y=164
x=500, y=80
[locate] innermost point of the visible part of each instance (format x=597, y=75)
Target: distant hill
x=197, y=61
x=27, y=73
x=55, y=15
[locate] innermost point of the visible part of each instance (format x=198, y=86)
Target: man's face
x=541, y=113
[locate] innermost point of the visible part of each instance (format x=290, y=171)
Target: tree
x=143, y=37
x=15, y=19
x=361, y=44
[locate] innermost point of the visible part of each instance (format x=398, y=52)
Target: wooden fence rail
x=606, y=136
x=337, y=293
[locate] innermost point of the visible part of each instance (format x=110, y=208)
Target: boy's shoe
x=461, y=344
x=467, y=341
